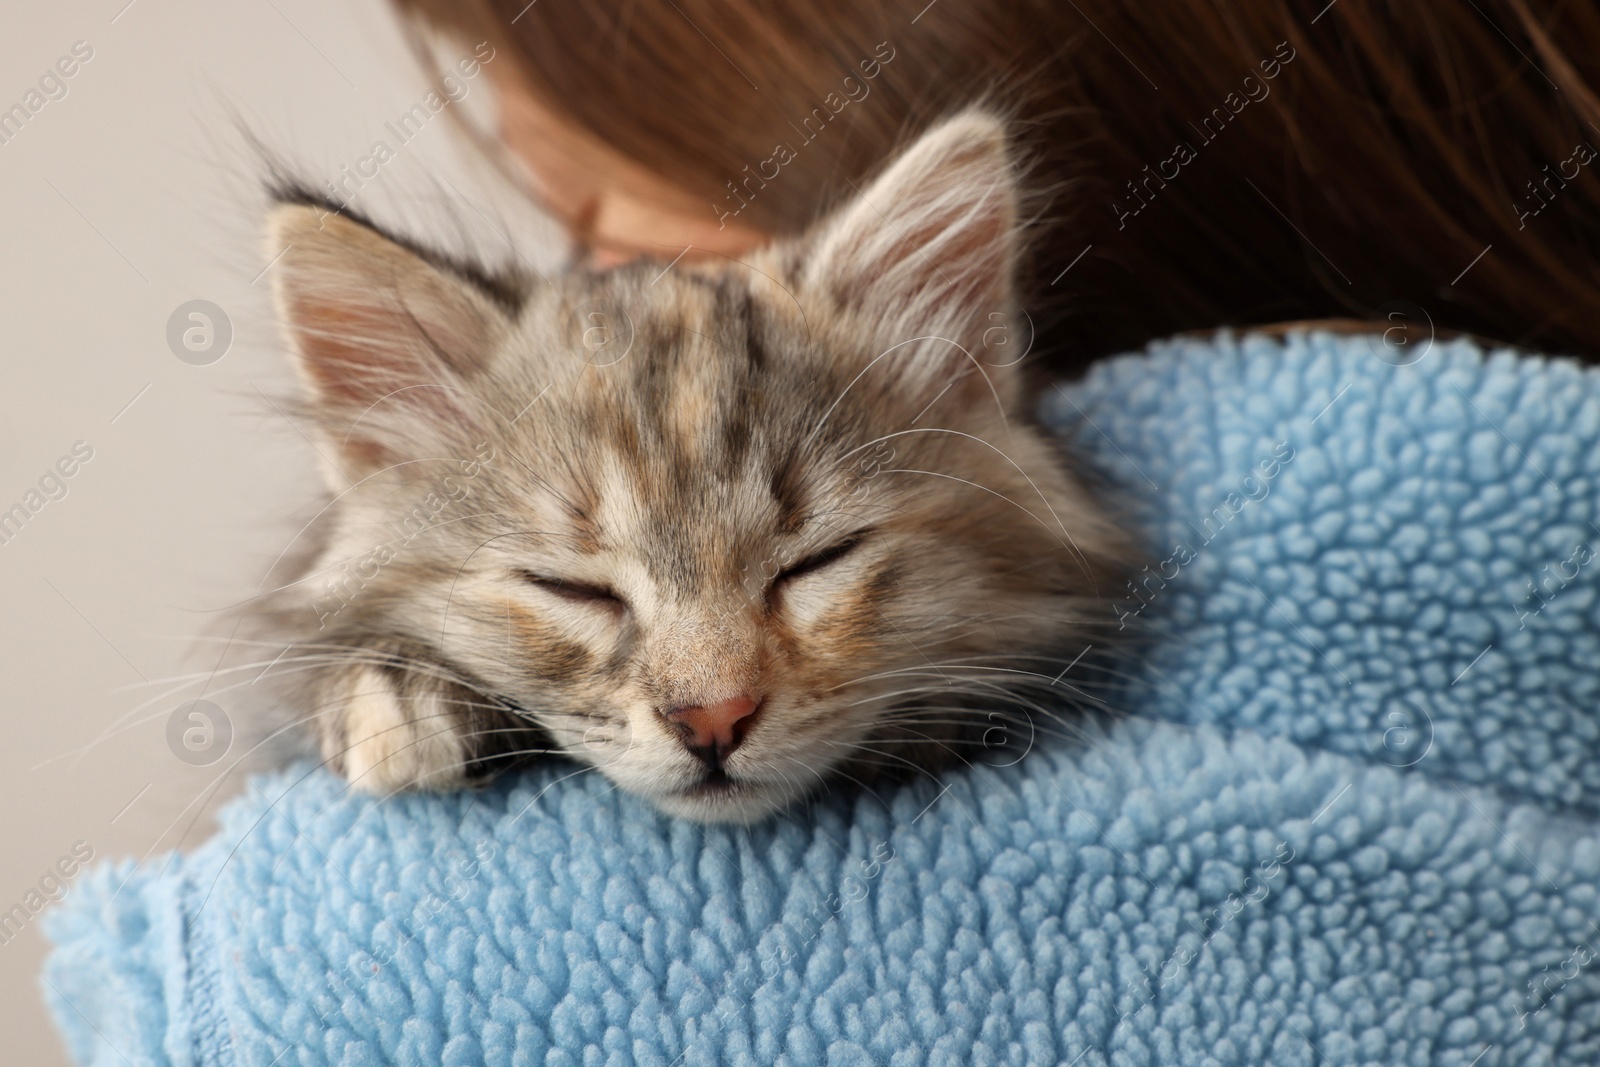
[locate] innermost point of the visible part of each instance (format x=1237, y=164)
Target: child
x=1198, y=163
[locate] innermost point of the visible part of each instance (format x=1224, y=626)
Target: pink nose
x=714, y=726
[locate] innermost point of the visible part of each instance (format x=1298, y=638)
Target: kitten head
x=719, y=531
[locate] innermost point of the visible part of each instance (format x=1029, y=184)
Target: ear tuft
x=930, y=247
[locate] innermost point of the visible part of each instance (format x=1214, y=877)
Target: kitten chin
x=722, y=533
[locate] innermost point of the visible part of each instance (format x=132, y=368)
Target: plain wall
x=128, y=197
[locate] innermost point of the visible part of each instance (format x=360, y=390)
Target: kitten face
x=717, y=532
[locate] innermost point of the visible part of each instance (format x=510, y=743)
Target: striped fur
x=681, y=440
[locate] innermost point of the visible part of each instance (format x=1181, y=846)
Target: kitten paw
x=384, y=742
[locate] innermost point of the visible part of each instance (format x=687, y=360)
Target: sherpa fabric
x=1349, y=818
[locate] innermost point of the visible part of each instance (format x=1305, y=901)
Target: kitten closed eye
x=576, y=592
x=817, y=561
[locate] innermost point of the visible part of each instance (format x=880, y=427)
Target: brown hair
x=1208, y=162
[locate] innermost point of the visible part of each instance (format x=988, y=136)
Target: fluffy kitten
x=718, y=531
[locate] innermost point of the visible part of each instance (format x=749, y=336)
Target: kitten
x=719, y=531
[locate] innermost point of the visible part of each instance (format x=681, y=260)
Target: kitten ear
x=386, y=341
x=929, y=248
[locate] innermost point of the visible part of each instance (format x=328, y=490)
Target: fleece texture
x=1348, y=814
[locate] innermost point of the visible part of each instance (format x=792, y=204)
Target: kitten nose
x=716, y=728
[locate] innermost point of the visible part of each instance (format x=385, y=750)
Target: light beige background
x=125, y=199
